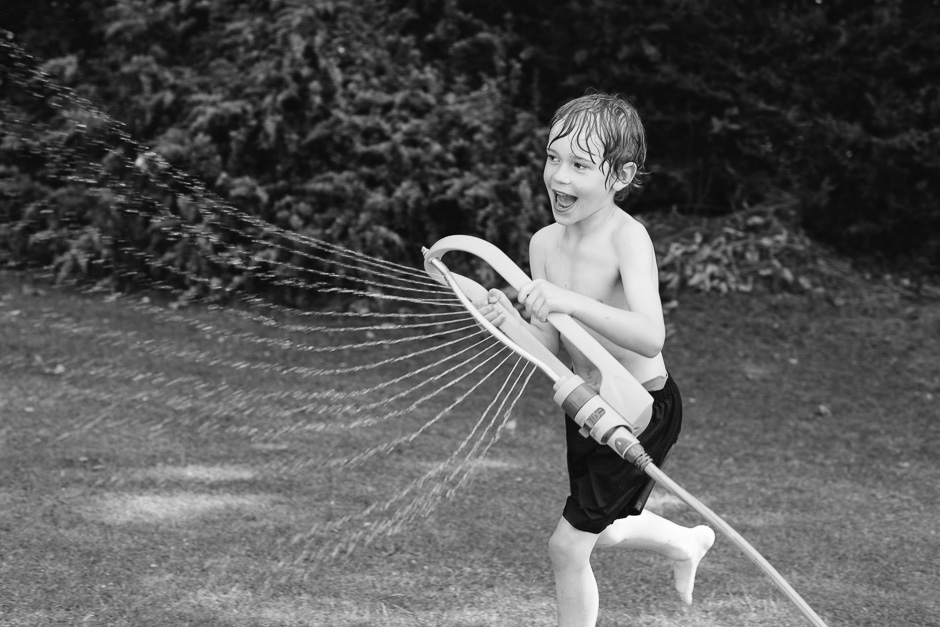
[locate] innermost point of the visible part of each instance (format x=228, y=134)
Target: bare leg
x=575, y=586
x=684, y=546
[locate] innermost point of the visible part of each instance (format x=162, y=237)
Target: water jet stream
x=217, y=236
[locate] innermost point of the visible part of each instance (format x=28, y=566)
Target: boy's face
x=577, y=179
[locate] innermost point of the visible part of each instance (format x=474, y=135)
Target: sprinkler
x=614, y=414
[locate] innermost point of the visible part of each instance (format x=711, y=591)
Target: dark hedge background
x=383, y=125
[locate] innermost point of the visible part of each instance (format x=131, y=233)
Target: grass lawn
x=152, y=473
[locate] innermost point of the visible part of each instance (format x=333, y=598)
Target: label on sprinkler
x=620, y=445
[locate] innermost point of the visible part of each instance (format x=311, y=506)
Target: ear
x=625, y=176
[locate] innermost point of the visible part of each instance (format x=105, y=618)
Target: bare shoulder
x=630, y=236
x=544, y=239
x=546, y=235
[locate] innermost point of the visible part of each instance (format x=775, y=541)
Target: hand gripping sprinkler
x=613, y=415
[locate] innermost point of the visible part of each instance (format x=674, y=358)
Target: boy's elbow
x=654, y=343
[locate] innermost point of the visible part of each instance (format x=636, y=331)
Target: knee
x=567, y=550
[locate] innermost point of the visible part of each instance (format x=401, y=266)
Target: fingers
x=491, y=310
x=494, y=315
x=525, y=290
x=533, y=304
x=542, y=298
x=533, y=296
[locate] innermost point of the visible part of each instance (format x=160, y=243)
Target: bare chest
x=591, y=271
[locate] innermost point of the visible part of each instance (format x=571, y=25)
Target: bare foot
x=684, y=570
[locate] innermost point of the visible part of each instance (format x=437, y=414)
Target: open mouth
x=564, y=201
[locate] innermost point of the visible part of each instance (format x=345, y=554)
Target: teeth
x=564, y=200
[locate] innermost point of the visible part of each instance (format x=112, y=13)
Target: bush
x=385, y=125
x=323, y=121
x=834, y=103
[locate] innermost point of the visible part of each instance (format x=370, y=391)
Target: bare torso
x=584, y=265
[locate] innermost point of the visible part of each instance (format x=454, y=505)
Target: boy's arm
x=640, y=327
x=540, y=328
x=544, y=332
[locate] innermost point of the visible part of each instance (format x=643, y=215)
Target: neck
x=594, y=223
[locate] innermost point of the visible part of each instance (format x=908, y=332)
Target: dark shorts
x=604, y=487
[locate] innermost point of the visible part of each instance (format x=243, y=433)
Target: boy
x=597, y=264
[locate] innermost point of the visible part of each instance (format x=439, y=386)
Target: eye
x=552, y=159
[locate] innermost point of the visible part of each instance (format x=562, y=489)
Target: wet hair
x=614, y=123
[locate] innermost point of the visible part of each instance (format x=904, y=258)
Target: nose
x=561, y=174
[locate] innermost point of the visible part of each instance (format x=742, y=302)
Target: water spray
x=614, y=414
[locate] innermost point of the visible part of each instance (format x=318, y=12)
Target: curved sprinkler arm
x=462, y=286
x=597, y=418
x=617, y=387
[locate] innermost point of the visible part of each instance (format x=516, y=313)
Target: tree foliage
x=387, y=124
x=836, y=103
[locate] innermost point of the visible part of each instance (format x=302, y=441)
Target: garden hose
x=604, y=421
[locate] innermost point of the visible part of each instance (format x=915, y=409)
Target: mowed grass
x=133, y=491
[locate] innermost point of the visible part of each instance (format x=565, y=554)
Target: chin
x=562, y=214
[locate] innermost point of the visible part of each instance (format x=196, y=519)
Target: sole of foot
x=684, y=570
